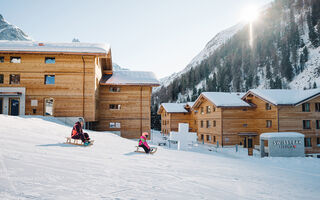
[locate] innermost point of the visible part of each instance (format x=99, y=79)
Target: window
x=208, y=109
x=318, y=124
x=317, y=107
x=306, y=124
x=201, y=124
x=208, y=124
x=114, y=106
x=50, y=60
x=1, y=59
x=306, y=107
x=114, y=125
x=269, y=124
x=114, y=89
x=1, y=78
x=213, y=109
x=318, y=141
x=14, y=79
x=246, y=125
x=48, y=107
x=49, y=79
x=268, y=106
x=201, y=136
x=214, y=138
x=15, y=59
x=202, y=111
x=208, y=138
x=307, y=142
x=214, y=123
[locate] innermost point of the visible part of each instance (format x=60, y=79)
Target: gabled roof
x=222, y=99
x=130, y=78
x=51, y=47
x=190, y=104
x=284, y=97
x=173, y=108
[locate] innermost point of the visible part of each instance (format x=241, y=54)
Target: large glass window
x=1, y=59
x=208, y=109
x=1, y=78
x=114, y=125
x=306, y=107
x=50, y=60
x=15, y=59
x=201, y=124
x=14, y=79
x=49, y=79
x=318, y=124
x=208, y=124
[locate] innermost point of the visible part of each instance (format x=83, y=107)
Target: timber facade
x=72, y=80
x=266, y=112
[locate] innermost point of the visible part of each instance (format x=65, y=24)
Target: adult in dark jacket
x=77, y=132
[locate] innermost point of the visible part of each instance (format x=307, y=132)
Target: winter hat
x=80, y=120
x=145, y=134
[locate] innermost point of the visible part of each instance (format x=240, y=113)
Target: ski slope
x=35, y=164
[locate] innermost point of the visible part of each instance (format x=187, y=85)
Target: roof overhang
x=10, y=93
x=53, y=53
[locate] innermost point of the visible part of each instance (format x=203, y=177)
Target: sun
x=250, y=13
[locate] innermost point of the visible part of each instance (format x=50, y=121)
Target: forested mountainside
x=286, y=41
x=11, y=32
x=284, y=53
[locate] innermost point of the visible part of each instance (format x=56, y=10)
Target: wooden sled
x=152, y=151
x=77, y=142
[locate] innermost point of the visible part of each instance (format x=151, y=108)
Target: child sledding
x=143, y=144
x=78, y=137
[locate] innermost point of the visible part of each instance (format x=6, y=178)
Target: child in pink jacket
x=143, y=142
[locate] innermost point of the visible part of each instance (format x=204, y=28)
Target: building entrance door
x=14, y=106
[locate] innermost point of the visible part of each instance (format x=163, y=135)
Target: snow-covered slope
x=35, y=164
x=11, y=32
x=208, y=50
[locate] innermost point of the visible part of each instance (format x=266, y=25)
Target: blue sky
x=152, y=35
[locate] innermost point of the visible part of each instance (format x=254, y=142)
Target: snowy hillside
x=11, y=32
x=35, y=164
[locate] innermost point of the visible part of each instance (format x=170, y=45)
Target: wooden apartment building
x=230, y=118
x=72, y=80
x=174, y=113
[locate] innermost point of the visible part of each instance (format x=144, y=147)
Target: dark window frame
x=208, y=123
x=317, y=107
x=47, y=59
x=268, y=106
x=1, y=78
x=306, y=108
x=214, y=123
x=114, y=106
x=114, y=89
x=201, y=124
x=308, y=142
x=46, y=80
x=317, y=124
x=12, y=81
x=15, y=57
x=268, y=123
x=304, y=123
x=1, y=59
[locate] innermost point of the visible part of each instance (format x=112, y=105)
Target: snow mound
x=35, y=164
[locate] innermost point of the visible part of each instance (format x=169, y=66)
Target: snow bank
x=35, y=164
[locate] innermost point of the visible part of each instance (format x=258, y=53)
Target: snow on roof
x=72, y=47
x=130, y=78
x=190, y=104
x=285, y=97
x=222, y=99
x=281, y=135
x=174, y=107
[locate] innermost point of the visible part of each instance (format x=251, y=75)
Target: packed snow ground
x=35, y=164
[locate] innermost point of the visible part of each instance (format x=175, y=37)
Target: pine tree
x=312, y=34
x=314, y=85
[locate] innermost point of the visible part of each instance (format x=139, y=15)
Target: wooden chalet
x=174, y=113
x=72, y=80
